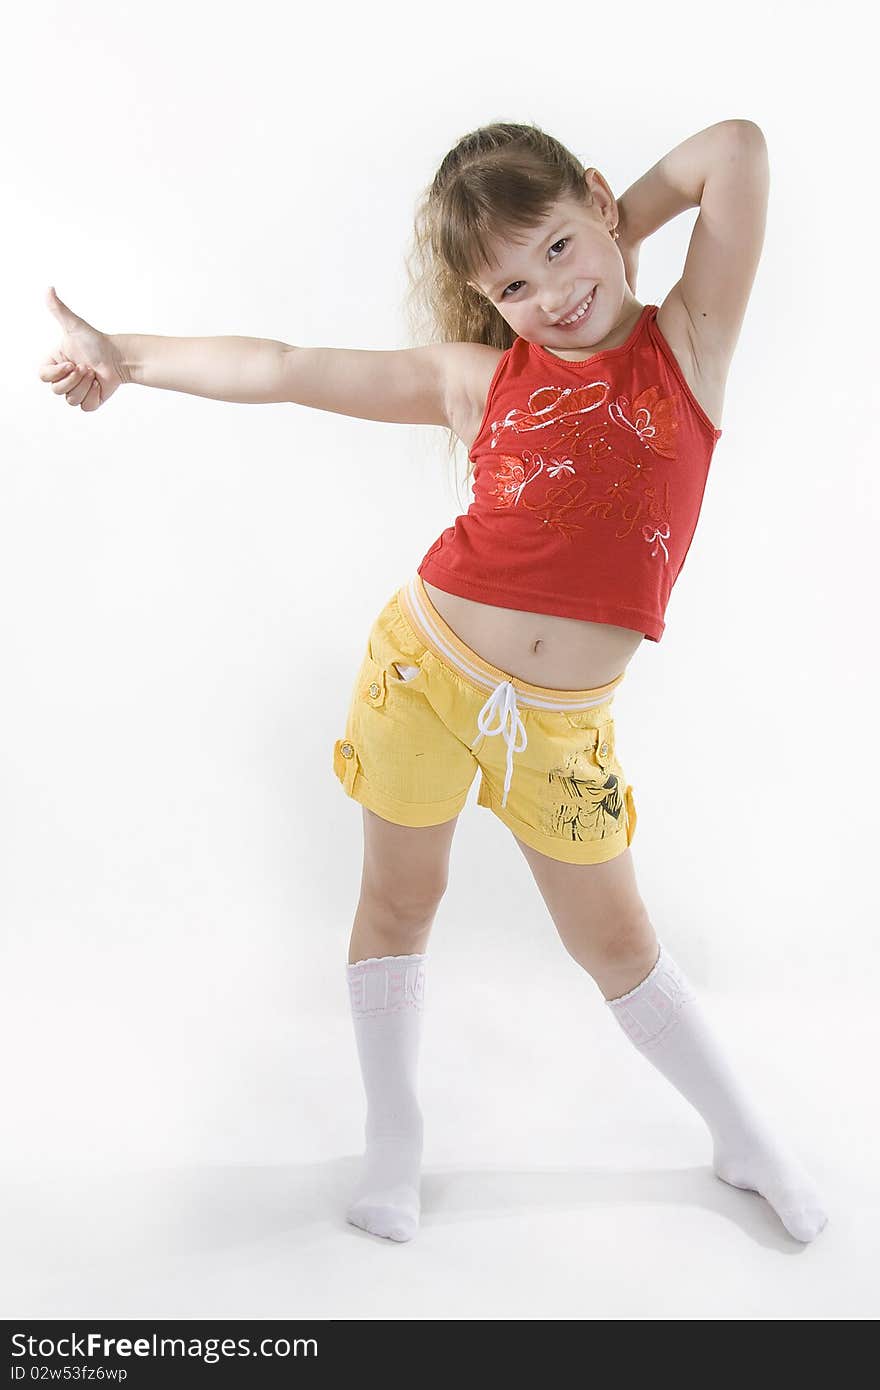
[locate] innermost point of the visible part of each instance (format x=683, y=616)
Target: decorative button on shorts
x=427, y=711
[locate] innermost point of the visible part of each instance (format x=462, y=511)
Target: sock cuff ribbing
x=387, y=984
x=651, y=1010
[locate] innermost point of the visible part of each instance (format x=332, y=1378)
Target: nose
x=554, y=307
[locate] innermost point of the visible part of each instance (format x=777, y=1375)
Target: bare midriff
x=563, y=653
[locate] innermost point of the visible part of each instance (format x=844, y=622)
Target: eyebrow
x=548, y=241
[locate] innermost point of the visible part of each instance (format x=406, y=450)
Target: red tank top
x=588, y=482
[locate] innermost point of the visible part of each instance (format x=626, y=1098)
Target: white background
x=187, y=588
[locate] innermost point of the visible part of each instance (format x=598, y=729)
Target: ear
x=604, y=204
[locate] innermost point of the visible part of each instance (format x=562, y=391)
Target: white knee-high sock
x=387, y=999
x=663, y=1019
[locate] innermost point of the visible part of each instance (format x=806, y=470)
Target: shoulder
x=471, y=367
x=705, y=375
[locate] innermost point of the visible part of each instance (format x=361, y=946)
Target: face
x=544, y=279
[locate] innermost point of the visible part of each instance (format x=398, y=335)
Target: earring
x=615, y=234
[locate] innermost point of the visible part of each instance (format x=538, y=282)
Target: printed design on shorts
x=593, y=807
x=606, y=459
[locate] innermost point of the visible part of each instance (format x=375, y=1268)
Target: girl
x=591, y=420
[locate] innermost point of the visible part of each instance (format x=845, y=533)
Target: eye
x=561, y=242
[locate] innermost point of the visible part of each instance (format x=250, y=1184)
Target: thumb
x=66, y=317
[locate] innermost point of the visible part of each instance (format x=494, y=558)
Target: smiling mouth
x=586, y=305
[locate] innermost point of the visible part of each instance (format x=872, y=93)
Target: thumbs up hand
x=86, y=367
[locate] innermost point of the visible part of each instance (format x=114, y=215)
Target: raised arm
x=672, y=185
x=725, y=172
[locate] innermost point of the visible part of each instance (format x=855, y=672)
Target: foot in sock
x=387, y=1000
x=754, y=1160
x=386, y=1202
x=663, y=1019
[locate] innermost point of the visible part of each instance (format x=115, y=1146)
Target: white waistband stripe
x=502, y=702
x=478, y=676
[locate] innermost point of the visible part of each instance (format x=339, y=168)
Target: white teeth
x=581, y=311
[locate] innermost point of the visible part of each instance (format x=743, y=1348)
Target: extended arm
x=249, y=371
x=422, y=385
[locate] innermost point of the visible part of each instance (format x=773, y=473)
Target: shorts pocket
x=631, y=815
x=600, y=739
x=372, y=682
x=599, y=742
x=604, y=749
x=406, y=673
x=387, y=664
x=346, y=763
x=406, y=670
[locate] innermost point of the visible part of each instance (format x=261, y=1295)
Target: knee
x=626, y=941
x=399, y=908
x=624, y=954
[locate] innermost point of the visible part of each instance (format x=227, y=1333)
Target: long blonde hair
x=497, y=182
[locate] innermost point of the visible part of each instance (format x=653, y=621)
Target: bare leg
x=600, y=916
x=404, y=878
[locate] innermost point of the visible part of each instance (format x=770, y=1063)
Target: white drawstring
x=502, y=702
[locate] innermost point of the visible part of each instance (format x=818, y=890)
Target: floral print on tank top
x=604, y=461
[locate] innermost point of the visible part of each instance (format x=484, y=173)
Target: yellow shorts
x=427, y=711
